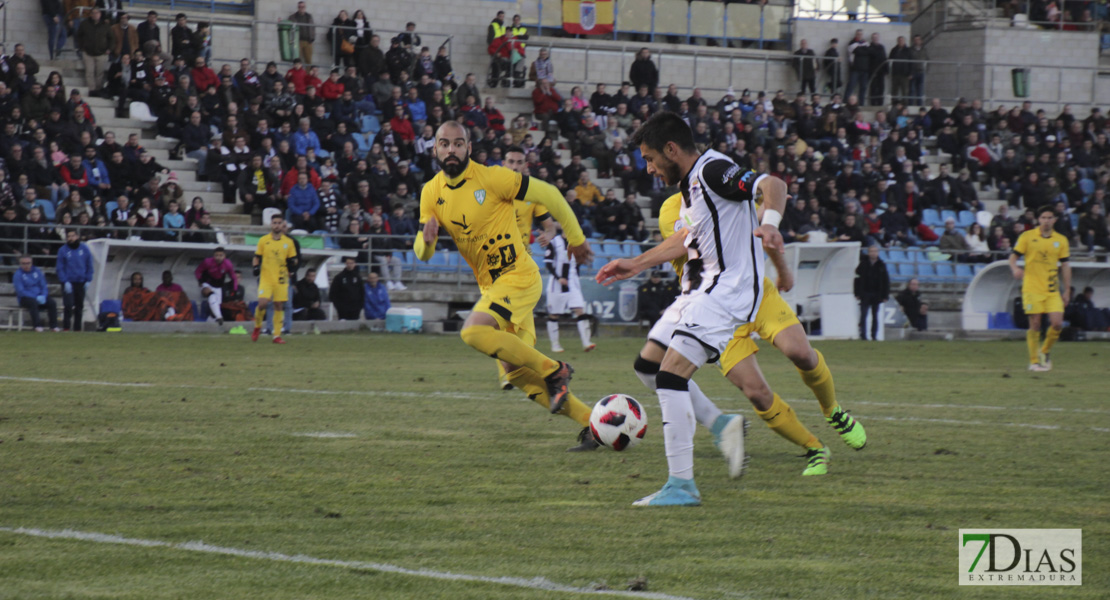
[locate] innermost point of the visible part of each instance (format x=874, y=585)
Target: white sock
x=214, y=305
x=553, y=332
x=584, y=331
x=704, y=410
x=678, y=432
x=649, y=380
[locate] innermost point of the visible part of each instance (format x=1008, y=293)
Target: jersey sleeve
x=507, y=185
x=1065, y=249
x=729, y=181
x=1022, y=245
x=668, y=215
x=427, y=202
x=540, y=212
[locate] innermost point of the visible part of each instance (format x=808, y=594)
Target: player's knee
x=805, y=358
x=666, y=380
x=645, y=366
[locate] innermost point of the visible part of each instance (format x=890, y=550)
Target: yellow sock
x=1033, y=340
x=507, y=347
x=259, y=316
x=279, y=320
x=500, y=370
x=528, y=380
x=820, y=381
x=783, y=421
x=1050, y=339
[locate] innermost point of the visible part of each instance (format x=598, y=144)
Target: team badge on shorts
x=480, y=196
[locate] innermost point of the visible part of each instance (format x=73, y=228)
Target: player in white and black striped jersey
x=722, y=281
x=564, y=293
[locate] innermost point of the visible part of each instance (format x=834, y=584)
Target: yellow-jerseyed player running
x=474, y=204
x=527, y=215
x=775, y=322
x=273, y=259
x=1046, y=255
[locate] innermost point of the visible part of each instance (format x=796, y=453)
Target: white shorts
x=704, y=329
x=560, y=302
x=214, y=289
x=663, y=330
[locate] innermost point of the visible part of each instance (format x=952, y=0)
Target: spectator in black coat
x=871, y=288
x=346, y=292
x=879, y=69
x=306, y=299
x=654, y=296
x=917, y=311
x=644, y=71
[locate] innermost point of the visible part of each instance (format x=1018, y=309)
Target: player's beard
x=453, y=166
x=670, y=172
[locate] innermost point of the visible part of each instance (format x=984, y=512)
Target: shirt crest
x=480, y=196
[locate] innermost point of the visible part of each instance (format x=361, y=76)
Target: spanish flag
x=588, y=17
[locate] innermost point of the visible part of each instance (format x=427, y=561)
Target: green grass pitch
x=375, y=449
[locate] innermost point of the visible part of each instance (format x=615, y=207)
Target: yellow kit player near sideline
x=776, y=322
x=527, y=215
x=1046, y=255
x=273, y=259
x=475, y=204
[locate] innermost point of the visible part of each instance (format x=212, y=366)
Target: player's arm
x=774, y=192
x=1018, y=251
x=623, y=268
x=730, y=182
x=547, y=196
x=1065, y=276
x=549, y=229
x=424, y=246
x=256, y=262
x=784, y=280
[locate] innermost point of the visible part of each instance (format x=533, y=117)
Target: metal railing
x=961, y=15
x=869, y=11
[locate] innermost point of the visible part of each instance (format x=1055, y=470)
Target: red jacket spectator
x=311, y=80
x=403, y=128
x=297, y=77
x=76, y=177
x=495, y=119
x=546, y=103
x=331, y=90
x=290, y=180
x=204, y=78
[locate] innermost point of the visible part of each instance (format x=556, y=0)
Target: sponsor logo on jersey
x=730, y=173
x=480, y=196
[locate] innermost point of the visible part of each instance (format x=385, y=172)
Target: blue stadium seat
x=110, y=207
x=537, y=251
x=977, y=268
x=363, y=145
x=1074, y=220
x=931, y=217
x=915, y=254
x=892, y=270
x=331, y=243
x=409, y=257
x=1087, y=186
x=199, y=311
x=925, y=271
x=965, y=219
x=884, y=255
x=599, y=261
x=47, y=208
x=897, y=256
x=945, y=271
x=906, y=271
x=964, y=272
x=370, y=125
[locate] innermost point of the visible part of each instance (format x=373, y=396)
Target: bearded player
x=475, y=205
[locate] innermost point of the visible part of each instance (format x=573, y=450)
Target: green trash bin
x=289, y=38
x=1020, y=80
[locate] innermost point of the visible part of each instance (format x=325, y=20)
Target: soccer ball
x=618, y=421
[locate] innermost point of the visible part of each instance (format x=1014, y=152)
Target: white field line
x=324, y=434
x=535, y=583
x=465, y=396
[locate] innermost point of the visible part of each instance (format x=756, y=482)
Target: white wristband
x=772, y=217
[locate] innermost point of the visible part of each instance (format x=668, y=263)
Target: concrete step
x=231, y=219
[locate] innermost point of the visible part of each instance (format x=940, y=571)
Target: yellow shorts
x=512, y=301
x=774, y=316
x=273, y=289
x=1039, y=304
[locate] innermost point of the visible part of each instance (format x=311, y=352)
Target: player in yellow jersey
x=527, y=215
x=775, y=322
x=1046, y=255
x=474, y=204
x=275, y=256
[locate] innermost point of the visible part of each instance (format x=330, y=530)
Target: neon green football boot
x=849, y=429
x=817, y=461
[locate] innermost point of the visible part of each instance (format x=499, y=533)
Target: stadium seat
x=884, y=255
x=1074, y=220
x=599, y=261
x=409, y=258
x=897, y=256
x=112, y=306
x=931, y=217
x=197, y=315
x=948, y=214
x=141, y=112
x=892, y=270
x=965, y=218
x=945, y=271
x=370, y=125
x=1087, y=186
x=915, y=254
x=611, y=248
x=925, y=271
x=537, y=251
x=906, y=271
x=363, y=145
x=110, y=207
x=977, y=268
x=964, y=272
x=330, y=242
x=47, y=208
x=268, y=213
